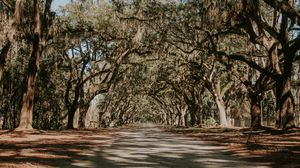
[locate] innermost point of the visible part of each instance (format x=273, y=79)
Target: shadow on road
x=154, y=148
x=135, y=147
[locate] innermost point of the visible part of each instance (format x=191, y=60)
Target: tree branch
x=252, y=64
x=285, y=8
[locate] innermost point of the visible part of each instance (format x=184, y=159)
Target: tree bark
x=18, y=12
x=71, y=114
x=3, y=56
x=220, y=103
x=33, y=67
x=185, y=119
x=222, y=110
x=255, y=111
x=73, y=107
x=179, y=121
x=198, y=117
x=192, y=112
x=82, y=115
x=297, y=105
x=285, y=103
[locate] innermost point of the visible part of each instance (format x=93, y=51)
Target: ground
x=277, y=148
x=150, y=146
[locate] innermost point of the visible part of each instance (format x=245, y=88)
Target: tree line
x=182, y=63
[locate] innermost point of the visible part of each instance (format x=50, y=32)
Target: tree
x=28, y=98
x=33, y=66
x=281, y=49
x=114, y=45
x=191, y=63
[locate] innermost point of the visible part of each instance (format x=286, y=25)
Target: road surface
x=152, y=147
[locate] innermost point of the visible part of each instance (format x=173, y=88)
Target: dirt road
x=151, y=147
x=130, y=147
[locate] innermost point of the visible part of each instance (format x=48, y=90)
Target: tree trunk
x=255, y=111
x=72, y=107
x=3, y=55
x=218, y=96
x=185, y=119
x=178, y=119
x=82, y=118
x=71, y=114
x=297, y=106
x=285, y=103
x=222, y=110
x=192, y=112
x=28, y=97
x=198, y=118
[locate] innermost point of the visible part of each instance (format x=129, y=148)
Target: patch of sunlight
x=170, y=155
x=188, y=146
x=80, y=163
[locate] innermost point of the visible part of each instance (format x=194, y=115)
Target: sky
x=57, y=3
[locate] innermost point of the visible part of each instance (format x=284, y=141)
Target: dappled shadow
x=55, y=149
x=279, y=148
x=143, y=147
x=153, y=148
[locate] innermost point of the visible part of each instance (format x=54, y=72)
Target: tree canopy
x=189, y=63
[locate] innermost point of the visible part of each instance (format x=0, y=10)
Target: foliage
x=181, y=63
